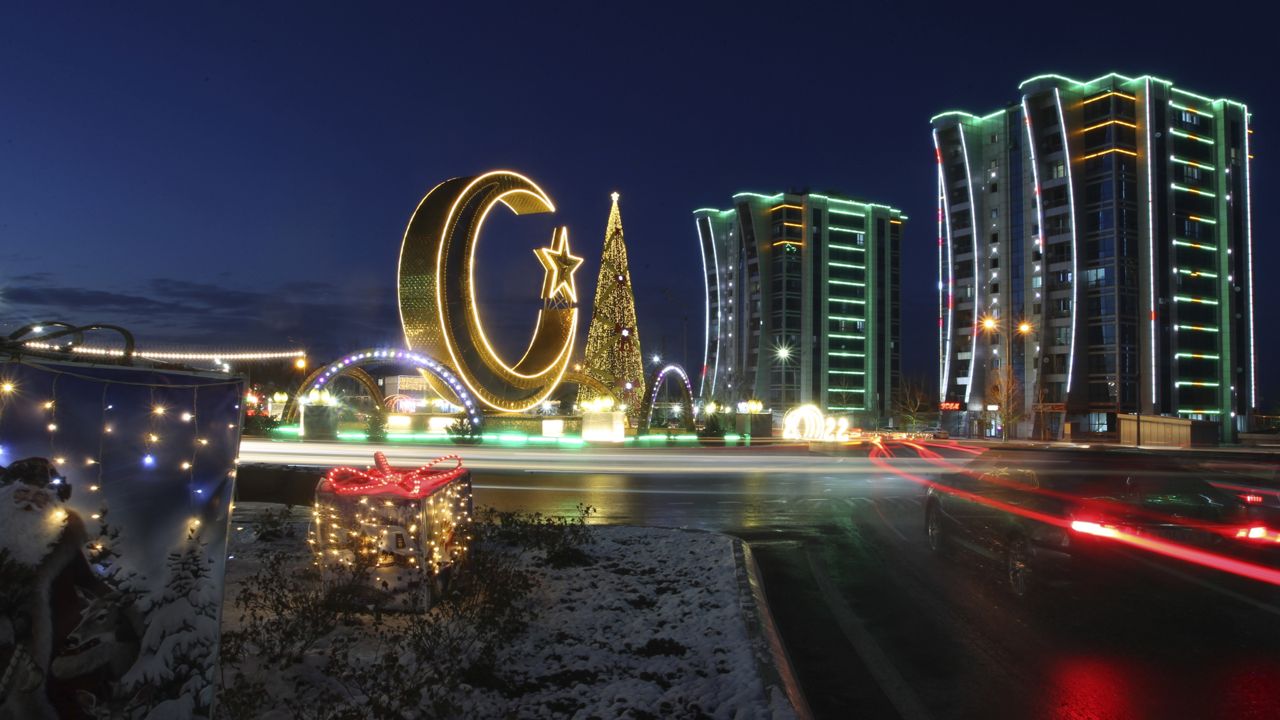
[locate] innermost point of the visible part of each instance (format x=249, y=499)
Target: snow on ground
x=653, y=628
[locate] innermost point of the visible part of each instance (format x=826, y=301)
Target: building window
x=995, y=213
x=995, y=237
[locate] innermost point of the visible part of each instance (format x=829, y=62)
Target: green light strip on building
x=1188, y=108
x=1180, y=161
x=1189, y=136
x=859, y=391
x=847, y=300
x=1206, y=273
x=841, y=353
x=1197, y=356
x=846, y=372
x=1198, y=246
x=834, y=228
x=853, y=248
x=838, y=211
x=1191, y=94
x=1197, y=218
x=845, y=336
x=847, y=265
x=844, y=317
x=846, y=407
x=1184, y=188
x=842, y=201
x=1197, y=328
x=1195, y=383
x=1188, y=298
x=769, y=198
x=847, y=282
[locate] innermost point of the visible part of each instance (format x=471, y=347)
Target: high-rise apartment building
x=1098, y=232
x=802, y=303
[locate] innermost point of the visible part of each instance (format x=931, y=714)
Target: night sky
x=235, y=175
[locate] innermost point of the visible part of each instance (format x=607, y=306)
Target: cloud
x=171, y=311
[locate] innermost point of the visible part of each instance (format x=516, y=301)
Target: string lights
x=406, y=527
x=613, y=353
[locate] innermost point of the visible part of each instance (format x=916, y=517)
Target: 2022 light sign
x=437, y=291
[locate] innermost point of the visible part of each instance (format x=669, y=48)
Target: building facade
x=802, y=303
x=1094, y=243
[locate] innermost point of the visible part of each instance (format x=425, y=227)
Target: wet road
x=877, y=626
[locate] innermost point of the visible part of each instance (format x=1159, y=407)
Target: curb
x=772, y=661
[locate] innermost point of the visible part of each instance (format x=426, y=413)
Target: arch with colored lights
x=656, y=382
x=353, y=364
x=437, y=291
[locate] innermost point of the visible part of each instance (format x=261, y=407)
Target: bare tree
x=913, y=404
x=1005, y=392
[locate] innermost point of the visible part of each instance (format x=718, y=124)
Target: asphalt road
x=878, y=627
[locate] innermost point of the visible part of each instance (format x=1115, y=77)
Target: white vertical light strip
x=1075, y=250
x=1151, y=241
x=1035, y=179
x=1248, y=240
x=706, y=325
x=715, y=257
x=977, y=293
x=944, y=212
x=944, y=360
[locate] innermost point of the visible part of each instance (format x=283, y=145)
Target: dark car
x=1048, y=517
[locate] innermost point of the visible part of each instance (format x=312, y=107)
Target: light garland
x=202, y=355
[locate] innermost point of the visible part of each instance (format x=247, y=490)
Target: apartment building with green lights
x=802, y=303
x=1095, y=238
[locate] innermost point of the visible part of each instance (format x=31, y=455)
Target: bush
x=375, y=425
x=259, y=424
x=561, y=538
x=463, y=432
x=712, y=428
x=351, y=664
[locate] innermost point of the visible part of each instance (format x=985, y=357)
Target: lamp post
x=991, y=326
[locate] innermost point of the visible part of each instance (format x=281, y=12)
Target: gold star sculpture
x=560, y=265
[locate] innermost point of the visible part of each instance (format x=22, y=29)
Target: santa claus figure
x=43, y=579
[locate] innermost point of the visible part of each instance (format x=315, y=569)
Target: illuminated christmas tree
x=613, y=340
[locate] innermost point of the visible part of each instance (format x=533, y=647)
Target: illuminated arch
x=655, y=386
x=352, y=366
x=582, y=379
x=437, y=291
x=365, y=380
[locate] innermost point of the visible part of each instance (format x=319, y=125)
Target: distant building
x=802, y=303
x=1110, y=221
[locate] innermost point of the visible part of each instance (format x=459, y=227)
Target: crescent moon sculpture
x=437, y=291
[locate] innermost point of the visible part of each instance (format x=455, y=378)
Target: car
x=1052, y=517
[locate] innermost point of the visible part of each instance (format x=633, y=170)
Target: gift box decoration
x=397, y=532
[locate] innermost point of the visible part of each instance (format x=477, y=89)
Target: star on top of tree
x=560, y=265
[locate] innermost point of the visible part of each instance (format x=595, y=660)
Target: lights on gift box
x=415, y=524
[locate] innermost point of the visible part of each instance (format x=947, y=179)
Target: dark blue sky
x=232, y=174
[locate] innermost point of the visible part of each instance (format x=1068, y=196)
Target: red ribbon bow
x=384, y=479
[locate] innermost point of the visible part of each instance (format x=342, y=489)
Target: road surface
x=876, y=626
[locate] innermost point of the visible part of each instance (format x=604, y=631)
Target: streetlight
x=990, y=325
